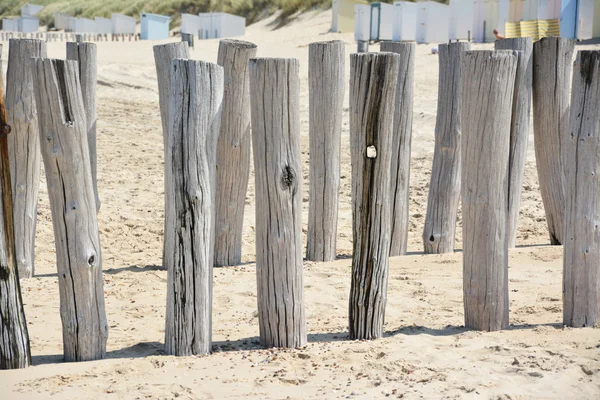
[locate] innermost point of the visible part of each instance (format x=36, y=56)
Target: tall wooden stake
x=581, y=283
x=14, y=338
x=401, y=141
x=488, y=82
x=233, y=151
x=373, y=85
x=444, y=189
x=275, y=111
x=326, y=77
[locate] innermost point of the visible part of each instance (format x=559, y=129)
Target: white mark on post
x=371, y=152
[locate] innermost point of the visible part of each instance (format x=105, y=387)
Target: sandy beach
x=426, y=353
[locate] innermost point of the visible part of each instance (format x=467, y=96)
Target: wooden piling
x=373, y=85
x=581, y=283
x=401, y=142
x=275, y=112
x=85, y=55
x=326, y=77
x=14, y=338
x=194, y=121
x=444, y=188
x=488, y=83
x=24, y=148
x=63, y=138
x=519, y=131
x=233, y=151
x=552, y=59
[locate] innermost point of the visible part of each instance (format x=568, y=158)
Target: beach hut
x=362, y=22
x=123, y=24
x=103, y=25
x=486, y=18
x=190, y=24
x=433, y=21
x=154, y=26
x=10, y=24
x=28, y=24
x=405, y=21
x=577, y=18
x=596, y=24
x=461, y=20
x=382, y=21
x=84, y=25
x=541, y=9
x=62, y=20
x=221, y=25
x=30, y=9
x=342, y=14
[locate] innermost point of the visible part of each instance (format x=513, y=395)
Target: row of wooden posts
x=207, y=111
x=70, y=36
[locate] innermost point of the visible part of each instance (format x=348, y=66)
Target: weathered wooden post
x=23, y=148
x=163, y=57
x=581, y=282
x=233, y=151
x=519, y=131
x=85, y=55
x=552, y=60
x=275, y=112
x=326, y=77
x=444, y=188
x=373, y=85
x=488, y=83
x=401, y=141
x=14, y=338
x=63, y=138
x=194, y=119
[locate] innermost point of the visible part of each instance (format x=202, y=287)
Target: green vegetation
x=253, y=10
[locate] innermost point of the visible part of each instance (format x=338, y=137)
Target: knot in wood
x=91, y=261
x=288, y=178
x=4, y=129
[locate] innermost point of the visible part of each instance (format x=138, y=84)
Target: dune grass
x=253, y=10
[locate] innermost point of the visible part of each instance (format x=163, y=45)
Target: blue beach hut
x=154, y=27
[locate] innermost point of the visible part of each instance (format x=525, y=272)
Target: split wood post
x=401, y=142
x=233, y=151
x=164, y=55
x=63, y=138
x=519, y=131
x=444, y=188
x=194, y=119
x=552, y=60
x=488, y=83
x=275, y=112
x=85, y=55
x=23, y=148
x=326, y=78
x=14, y=338
x=581, y=283
x=373, y=85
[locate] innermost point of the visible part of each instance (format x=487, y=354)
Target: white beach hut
x=461, y=20
x=123, y=24
x=28, y=24
x=103, y=25
x=62, y=20
x=84, y=25
x=405, y=21
x=190, y=24
x=10, y=24
x=382, y=21
x=31, y=9
x=433, y=21
x=362, y=22
x=485, y=19
x=221, y=25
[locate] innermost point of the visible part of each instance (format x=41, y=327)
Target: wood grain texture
x=14, y=337
x=552, y=59
x=164, y=55
x=519, y=131
x=326, y=81
x=401, y=141
x=63, y=139
x=24, y=148
x=373, y=85
x=85, y=55
x=444, y=188
x=581, y=283
x=233, y=151
x=487, y=96
x=275, y=112
x=195, y=117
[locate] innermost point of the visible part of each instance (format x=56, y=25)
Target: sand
x=426, y=353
